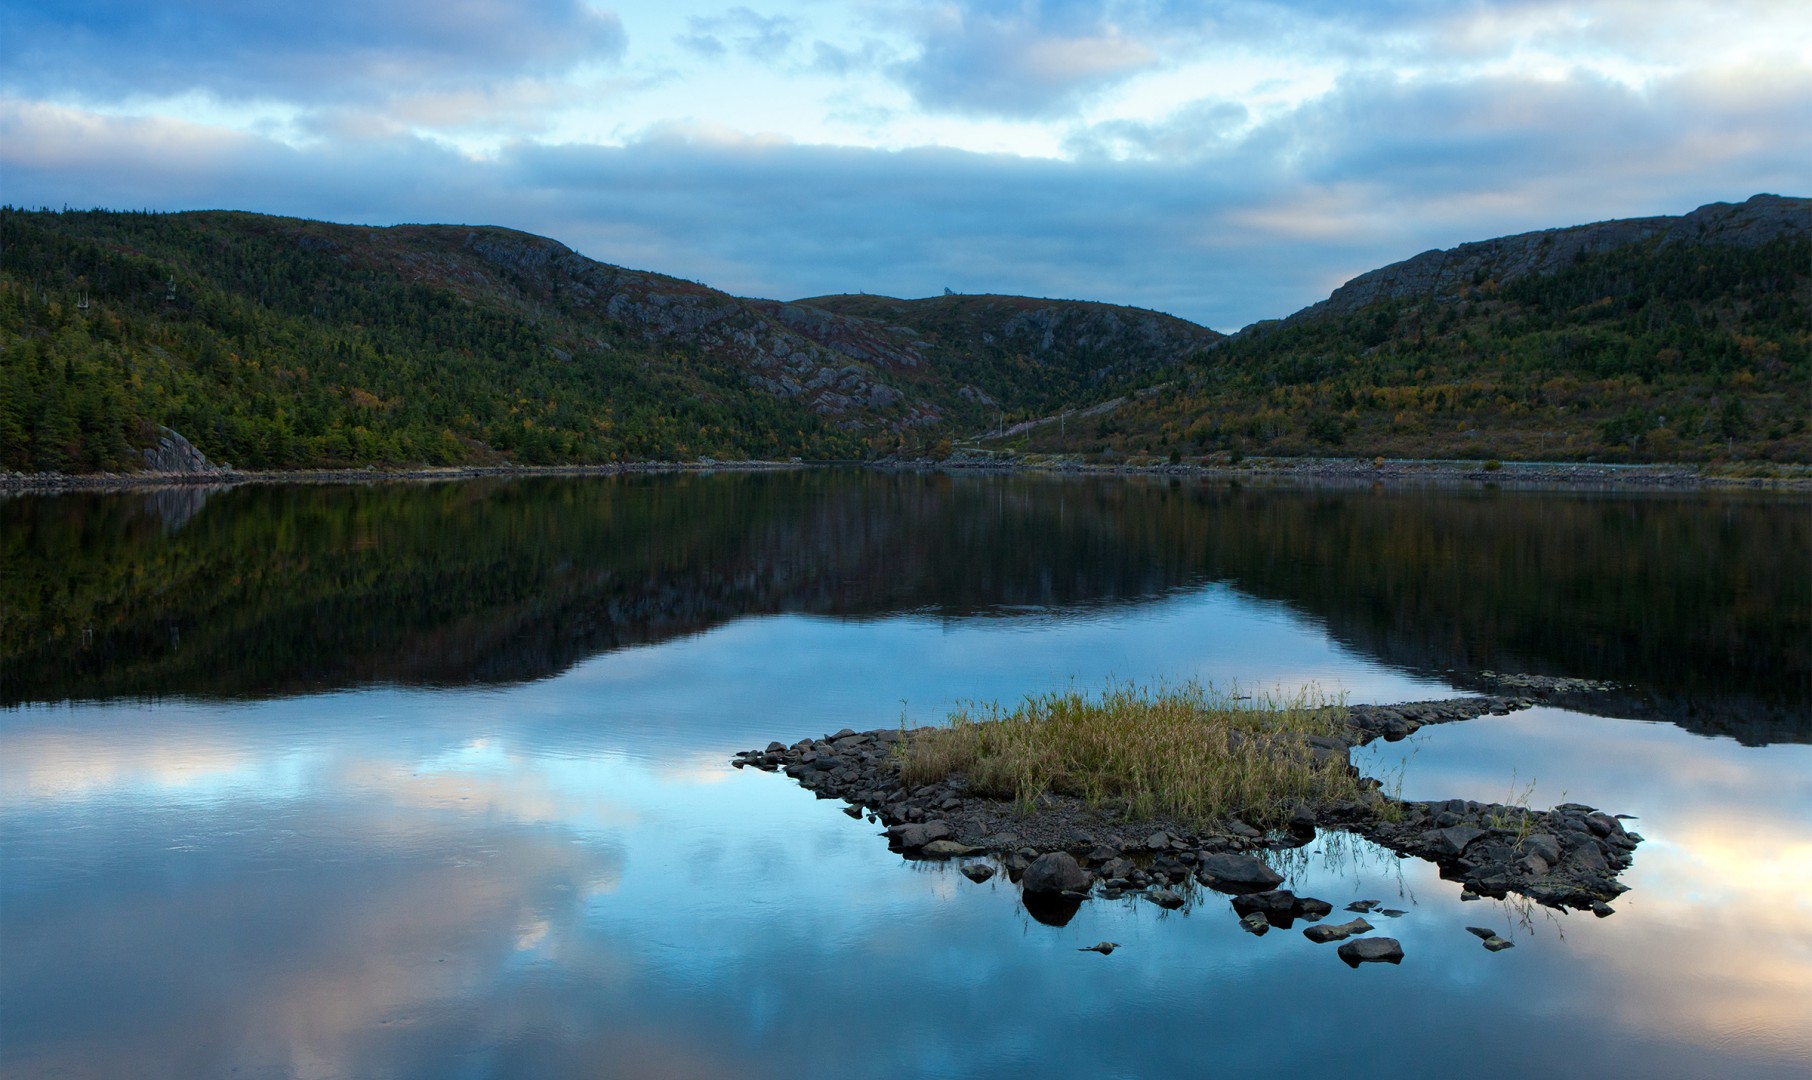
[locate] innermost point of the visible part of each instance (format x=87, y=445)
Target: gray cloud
x=334, y=51
x=1021, y=58
x=1220, y=228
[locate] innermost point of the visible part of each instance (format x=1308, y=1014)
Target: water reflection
x=321, y=847
x=504, y=905
x=1701, y=607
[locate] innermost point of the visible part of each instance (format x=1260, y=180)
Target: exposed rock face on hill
x=861, y=361
x=1021, y=351
x=175, y=454
x=1748, y=224
x=841, y=368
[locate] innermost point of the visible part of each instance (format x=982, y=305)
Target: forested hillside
x=1672, y=346
x=274, y=342
x=278, y=343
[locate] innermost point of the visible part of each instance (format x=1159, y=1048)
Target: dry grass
x=1188, y=753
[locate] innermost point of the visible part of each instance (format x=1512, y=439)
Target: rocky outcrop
x=1064, y=850
x=175, y=454
x=1749, y=224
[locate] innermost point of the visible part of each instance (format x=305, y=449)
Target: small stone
x=1481, y=933
x=1498, y=944
x=1105, y=948
x=1602, y=909
x=1392, y=913
x=1363, y=906
x=1157, y=841
x=1255, y=923
x=1326, y=933
x=977, y=872
x=853, y=811
x=914, y=835
x=1302, y=821
x=1310, y=908
x=1374, y=950
x=1468, y=894
x=944, y=849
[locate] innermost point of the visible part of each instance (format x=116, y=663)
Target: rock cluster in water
x=1063, y=853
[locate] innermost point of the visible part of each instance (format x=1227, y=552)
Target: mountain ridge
x=1751, y=223
x=284, y=343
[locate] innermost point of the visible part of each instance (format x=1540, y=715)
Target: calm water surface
x=431, y=781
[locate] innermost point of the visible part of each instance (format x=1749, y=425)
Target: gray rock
x=1302, y=821
x=1498, y=944
x=1166, y=898
x=1255, y=923
x=1589, y=858
x=1453, y=839
x=1363, y=906
x=1117, y=868
x=944, y=849
x=1237, y=874
x=1310, y=908
x=1269, y=902
x=915, y=835
x=175, y=454
x=1326, y=932
x=1373, y=950
x=1055, y=872
x=1480, y=932
x=977, y=872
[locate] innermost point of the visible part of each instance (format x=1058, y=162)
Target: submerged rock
x=1373, y=950
x=1335, y=932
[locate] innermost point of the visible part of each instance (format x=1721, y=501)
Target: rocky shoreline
x=1064, y=853
x=1338, y=472
x=1518, y=475
x=219, y=477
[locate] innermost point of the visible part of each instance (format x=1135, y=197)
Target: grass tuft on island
x=1190, y=752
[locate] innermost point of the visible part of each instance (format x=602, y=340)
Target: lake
x=432, y=780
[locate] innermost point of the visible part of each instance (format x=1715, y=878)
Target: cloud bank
x=1226, y=168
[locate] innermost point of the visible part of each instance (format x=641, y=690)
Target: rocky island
x=1063, y=846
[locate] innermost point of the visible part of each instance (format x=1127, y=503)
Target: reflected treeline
x=1700, y=605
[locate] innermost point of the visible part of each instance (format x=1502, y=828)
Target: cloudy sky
x=1223, y=161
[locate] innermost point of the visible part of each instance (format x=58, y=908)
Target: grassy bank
x=1191, y=752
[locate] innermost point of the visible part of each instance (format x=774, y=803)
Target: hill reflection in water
x=1699, y=606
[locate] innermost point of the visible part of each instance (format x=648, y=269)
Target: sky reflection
x=565, y=877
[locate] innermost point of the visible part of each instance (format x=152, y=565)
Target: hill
x=275, y=342
x=1658, y=339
